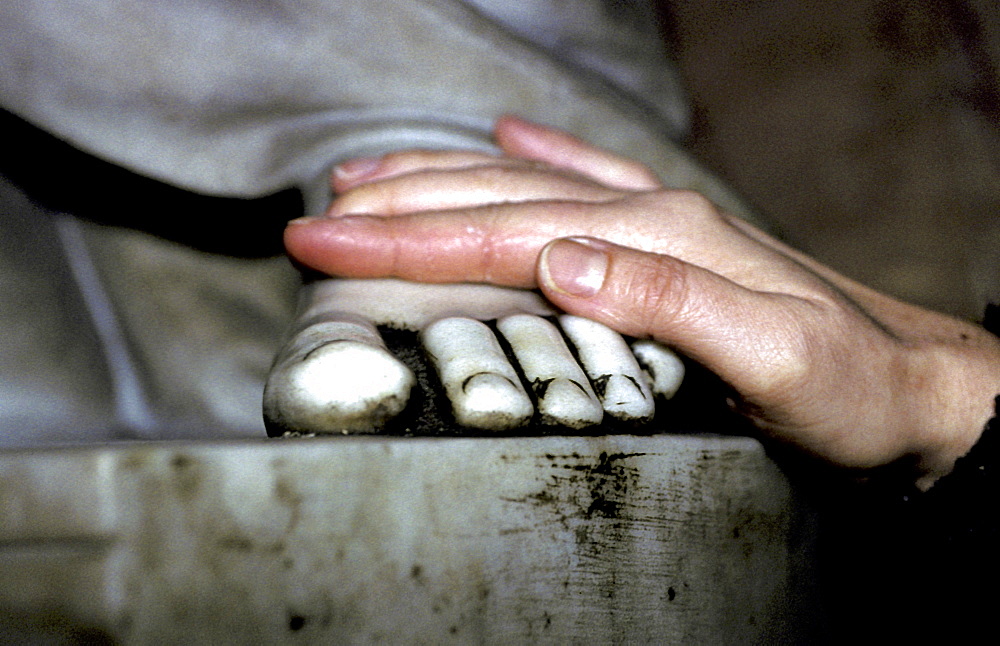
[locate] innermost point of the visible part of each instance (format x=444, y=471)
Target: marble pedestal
x=610, y=539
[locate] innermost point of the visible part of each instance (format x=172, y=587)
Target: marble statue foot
x=503, y=358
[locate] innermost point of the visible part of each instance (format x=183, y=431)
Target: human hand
x=817, y=360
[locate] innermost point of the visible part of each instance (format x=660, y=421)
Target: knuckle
x=680, y=206
x=787, y=366
x=694, y=205
x=642, y=177
x=658, y=290
x=791, y=356
x=686, y=203
x=484, y=234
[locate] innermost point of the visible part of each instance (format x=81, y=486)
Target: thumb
x=735, y=332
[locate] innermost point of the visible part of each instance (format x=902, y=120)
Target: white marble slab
x=608, y=539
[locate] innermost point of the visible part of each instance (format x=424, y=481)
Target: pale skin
x=845, y=373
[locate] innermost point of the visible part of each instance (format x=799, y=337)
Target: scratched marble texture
x=624, y=539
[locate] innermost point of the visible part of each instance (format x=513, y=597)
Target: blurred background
x=867, y=130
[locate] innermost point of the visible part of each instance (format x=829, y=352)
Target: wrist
x=954, y=388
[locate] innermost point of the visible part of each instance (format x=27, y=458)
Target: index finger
x=495, y=245
x=500, y=242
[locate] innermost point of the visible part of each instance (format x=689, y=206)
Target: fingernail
x=574, y=266
x=356, y=168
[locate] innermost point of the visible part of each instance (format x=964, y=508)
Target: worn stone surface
x=669, y=538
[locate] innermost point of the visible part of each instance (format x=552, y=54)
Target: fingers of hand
x=355, y=172
x=500, y=242
x=497, y=245
x=526, y=140
x=523, y=141
x=466, y=186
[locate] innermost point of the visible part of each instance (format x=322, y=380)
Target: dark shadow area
x=868, y=131
x=60, y=178
x=896, y=565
